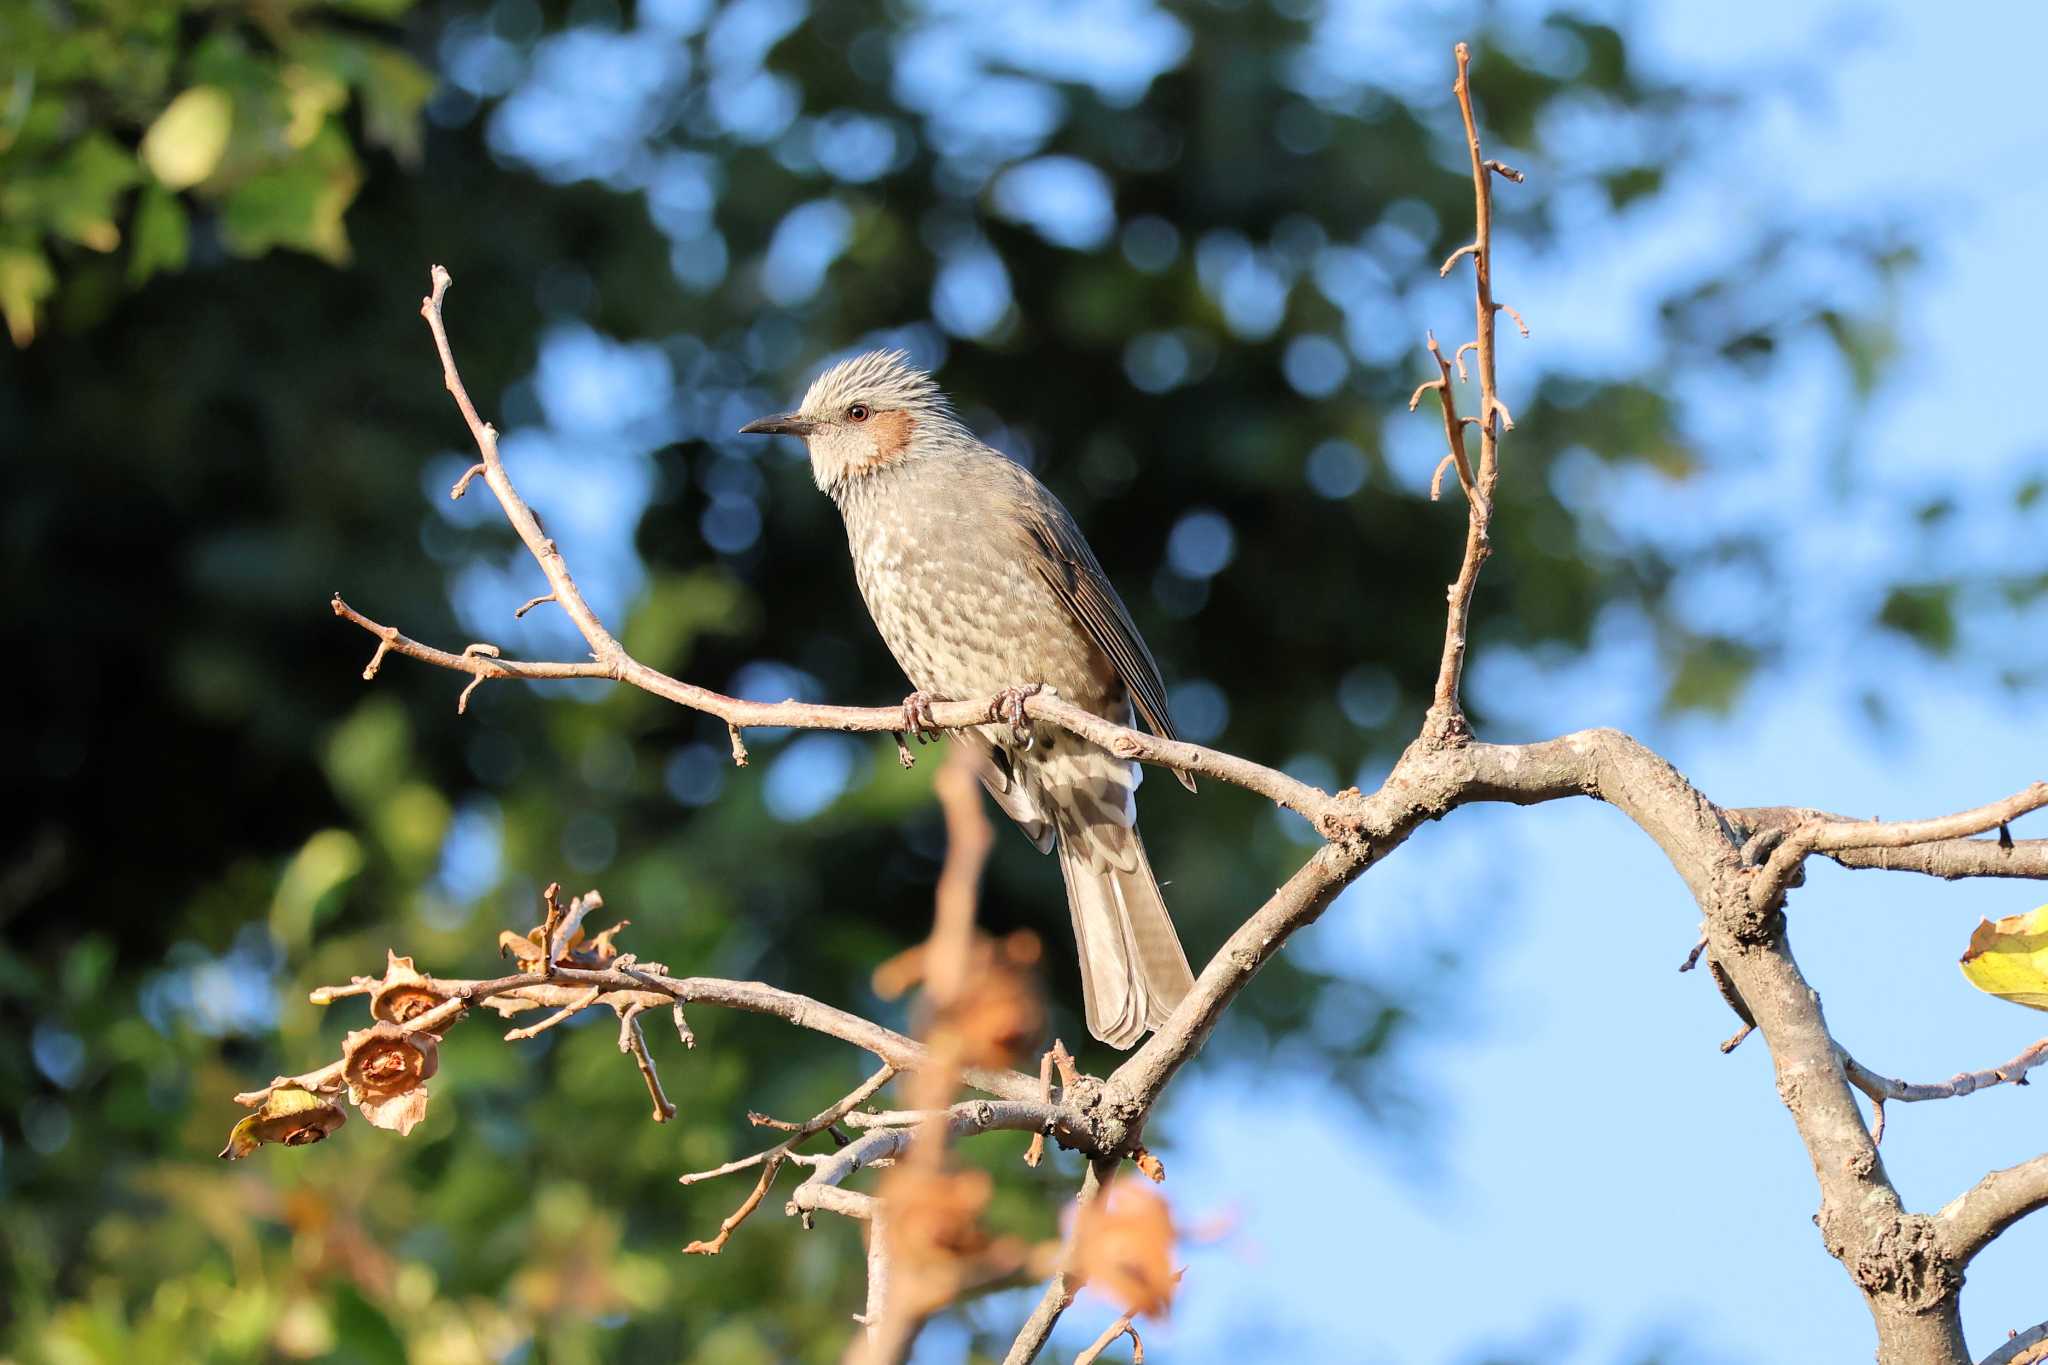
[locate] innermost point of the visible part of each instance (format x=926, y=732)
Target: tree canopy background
x=1180, y=262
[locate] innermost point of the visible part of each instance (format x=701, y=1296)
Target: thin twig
x=636, y=1043
x=574, y=1007
x=1446, y=712
x=1064, y=1284
x=1122, y=1326
x=1883, y=1088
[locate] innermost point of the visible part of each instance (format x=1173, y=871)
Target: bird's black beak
x=781, y=424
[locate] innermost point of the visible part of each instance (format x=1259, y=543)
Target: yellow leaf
x=2008, y=958
x=189, y=137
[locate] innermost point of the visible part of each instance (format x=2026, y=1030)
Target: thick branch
x=1968, y=1223
x=1952, y=859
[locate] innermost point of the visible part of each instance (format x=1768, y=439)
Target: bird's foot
x=1008, y=705
x=917, y=717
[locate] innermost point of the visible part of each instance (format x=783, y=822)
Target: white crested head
x=884, y=380
x=867, y=414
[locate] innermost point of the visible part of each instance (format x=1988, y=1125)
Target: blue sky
x=1596, y=1178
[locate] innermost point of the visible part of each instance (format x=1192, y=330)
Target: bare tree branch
x=1833, y=835
x=1446, y=714
x=1908, y=1266
x=1968, y=1223
x=1882, y=1088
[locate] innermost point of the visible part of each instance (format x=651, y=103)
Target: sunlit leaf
x=82, y=195
x=325, y=862
x=185, y=144
x=290, y=1116
x=298, y=203
x=310, y=95
x=2008, y=958
x=25, y=281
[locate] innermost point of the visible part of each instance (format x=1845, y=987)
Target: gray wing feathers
x=1076, y=577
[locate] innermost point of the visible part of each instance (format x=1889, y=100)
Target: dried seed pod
x=387, y=1069
x=403, y=994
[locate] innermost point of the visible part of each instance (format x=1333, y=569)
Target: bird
x=981, y=586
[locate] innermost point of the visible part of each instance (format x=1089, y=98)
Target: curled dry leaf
x=934, y=1230
x=291, y=1116
x=403, y=994
x=576, y=949
x=602, y=949
x=525, y=947
x=1123, y=1246
x=387, y=1069
x=2008, y=958
x=998, y=1017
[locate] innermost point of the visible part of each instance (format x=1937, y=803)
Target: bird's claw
x=1008, y=705
x=917, y=717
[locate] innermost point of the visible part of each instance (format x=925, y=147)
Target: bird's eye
x=858, y=412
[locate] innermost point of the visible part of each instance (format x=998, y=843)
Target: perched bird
x=981, y=585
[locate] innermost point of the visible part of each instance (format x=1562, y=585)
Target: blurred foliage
x=1179, y=262
x=122, y=120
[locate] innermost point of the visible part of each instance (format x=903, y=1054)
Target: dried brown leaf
x=290, y=1116
x=1123, y=1246
x=403, y=994
x=934, y=1231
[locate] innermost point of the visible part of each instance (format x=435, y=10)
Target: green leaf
x=2008, y=958
x=365, y=1335
x=1710, y=674
x=157, y=239
x=185, y=144
x=81, y=194
x=677, y=609
x=395, y=90
x=296, y=204
x=25, y=281
x=1925, y=612
x=322, y=866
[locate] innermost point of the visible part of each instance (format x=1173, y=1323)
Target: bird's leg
x=1009, y=705
x=917, y=717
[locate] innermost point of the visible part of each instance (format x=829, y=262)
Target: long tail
x=1133, y=971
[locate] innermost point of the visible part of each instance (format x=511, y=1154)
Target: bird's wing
x=1067, y=563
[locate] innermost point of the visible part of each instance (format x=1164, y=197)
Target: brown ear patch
x=890, y=432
